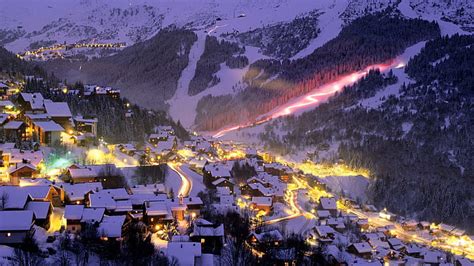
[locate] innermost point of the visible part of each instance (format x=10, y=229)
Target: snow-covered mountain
x=263, y=23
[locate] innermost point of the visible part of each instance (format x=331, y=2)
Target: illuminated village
x=61, y=181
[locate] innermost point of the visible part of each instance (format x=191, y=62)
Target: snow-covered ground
x=196, y=179
x=354, y=187
x=394, y=89
x=172, y=181
x=183, y=106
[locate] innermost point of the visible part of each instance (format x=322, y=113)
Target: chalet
x=13, y=198
x=76, y=193
x=266, y=240
x=15, y=130
x=214, y=171
x=262, y=203
x=112, y=228
x=324, y=233
x=362, y=249
x=396, y=244
x=223, y=182
x=15, y=226
x=82, y=175
x=42, y=211
x=211, y=236
x=22, y=170
x=31, y=102
x=186, y=253
x=328, y=204
x=193, y=204
x=59, y=113
x=43, y=192
x=156, y=213
x=363, y=224
x=410, y=225
x=86, y=124
x=73, y=217
x=47, y=132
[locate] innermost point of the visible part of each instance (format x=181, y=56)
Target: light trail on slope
x=318, y=95
x=186, y=183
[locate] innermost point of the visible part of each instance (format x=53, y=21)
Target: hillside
x=372, y=39
x=413, y=133
x=152, y=67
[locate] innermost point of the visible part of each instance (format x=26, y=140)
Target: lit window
x=203, y=240
x=9, y=234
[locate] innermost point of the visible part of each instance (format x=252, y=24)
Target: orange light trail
x=318, y=95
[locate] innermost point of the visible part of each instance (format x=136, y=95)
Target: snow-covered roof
x=82, y=173
x=184, y=252
x=362, y=247
x=49, y=126
x=207, y=230
x=16, y=220
x=262, y=201
x=192, y=201
x=139, y=199
x=73, y=212
x=19, y=166
x=14, y=197
x=115, y=193
x=39, y=208
x=147, y=189
x=328, y=203
x=323, y=213
x=13, y=124
x=92, y=215
x=17, y=156
x=78, y=191
x=34, y=117
x=123, y=206
x=3, y=118
x=37, y=192
x=111, y=226
x=155, y=208
x=36, y=100
x=324, y=230
x=57, y=109
x=375, y=243
x=98, y=200
x=220, y=180
x=227, y=200
x=218, y=170
x=269, y=236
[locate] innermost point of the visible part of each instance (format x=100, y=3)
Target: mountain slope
x=416, y=141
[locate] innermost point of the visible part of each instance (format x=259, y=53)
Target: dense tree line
x=149, y=68
x=215, y=53
x=418, y=144
x=283, y=40
x=112, y=123
x=368, y=40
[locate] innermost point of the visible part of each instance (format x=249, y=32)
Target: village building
x=15, y=226
x=186, y=253
x=211, y=236
x=42, y=211
x=265, y=240
x=262, y=203
x=73, y=216
x=362, y=249
x=112, y=228
x=328, y=204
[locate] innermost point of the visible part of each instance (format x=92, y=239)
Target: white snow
x=196, y=179
x=394, y=89
x=353, y=186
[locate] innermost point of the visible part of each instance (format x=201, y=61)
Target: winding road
x=186, y=182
